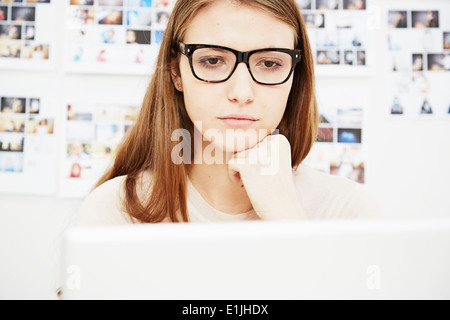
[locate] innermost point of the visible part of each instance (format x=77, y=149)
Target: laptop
x=259, y=260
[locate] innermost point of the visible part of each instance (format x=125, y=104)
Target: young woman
x=233, y=98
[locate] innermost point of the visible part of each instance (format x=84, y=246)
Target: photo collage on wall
x=419, y=62
x=124, y=34
x=27, y=143
x=92, y=135
x=339, y=146
x=339, y=35
x=26, y=30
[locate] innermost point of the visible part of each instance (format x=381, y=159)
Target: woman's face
x=242, y=28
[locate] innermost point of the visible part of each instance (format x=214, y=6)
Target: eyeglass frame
x=189, y=49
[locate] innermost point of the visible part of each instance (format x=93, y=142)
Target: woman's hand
x=266, y=173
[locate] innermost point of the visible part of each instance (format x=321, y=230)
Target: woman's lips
x=238, y=123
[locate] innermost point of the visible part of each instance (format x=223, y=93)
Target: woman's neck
x=213, y=183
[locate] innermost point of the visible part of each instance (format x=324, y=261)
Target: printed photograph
x=328, y=57
x=425, y=19
x=139, y=37
x=162, y=18
x=439, y=62
x=111, y=3
x=11, y=162
x=11, y=143
x=110, y=17
x=446, y=40
x=138, y=3
x=325, y=134
x=34, y=106
x=82, y=2
x=163, y=4
x=13, y=105
x=397, y=19
x=426, y=107
x=79, y=152
x=349, y=135
x=36, y=51
x=79, y=113
x=139, y=18
x=314, y=20
x=349, y=57
x=3, y=13
x=40, y=126
x=397, y=107
x=355, y=4
x=21, y=14
x=304, y=4
x=327, y=4
x=10, y=32
x=361, y=58
x=417, y=62
x=12, y=124
x=327, y=116
x=78, y=16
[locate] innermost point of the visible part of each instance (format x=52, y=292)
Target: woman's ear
x=176, y=76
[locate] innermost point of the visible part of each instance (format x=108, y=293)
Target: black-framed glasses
x=215, y=64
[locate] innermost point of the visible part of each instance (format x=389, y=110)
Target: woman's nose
x=241, y=85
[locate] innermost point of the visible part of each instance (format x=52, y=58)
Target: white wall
x=407, y=165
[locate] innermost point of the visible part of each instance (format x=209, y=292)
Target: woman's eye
x=211, y=61
x=269, y=64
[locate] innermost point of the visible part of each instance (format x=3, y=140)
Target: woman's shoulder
x=331, y=196
x=104, y=205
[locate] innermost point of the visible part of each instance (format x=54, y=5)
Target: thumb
x=233, y=170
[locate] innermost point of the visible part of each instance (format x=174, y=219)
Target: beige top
x=323, y=196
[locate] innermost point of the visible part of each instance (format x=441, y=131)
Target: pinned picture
x=446, y=40
x=304, y=4
x=11, y=143
x=354, y=4
x=328, y=57
x=327, y=4
x=325, y=134
x=397, y=19
x=349, y=135
x=12, y=124
x=11, y=162
x=13, y=105
x=425, y=19
x=314, y=20
x=439, y=62
x=40, y=126
x=417, y=62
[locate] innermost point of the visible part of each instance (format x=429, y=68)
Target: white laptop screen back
x=260, y=261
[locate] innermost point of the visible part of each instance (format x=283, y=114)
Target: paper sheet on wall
x=92, y=133
x=27, y=35
x=340, y=34
x=114, y=36
x=418, y=42
x=339, y=149
x=28, y=149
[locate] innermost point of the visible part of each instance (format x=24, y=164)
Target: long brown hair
x=147, y=147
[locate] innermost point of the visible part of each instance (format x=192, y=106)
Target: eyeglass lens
x=216, y=64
